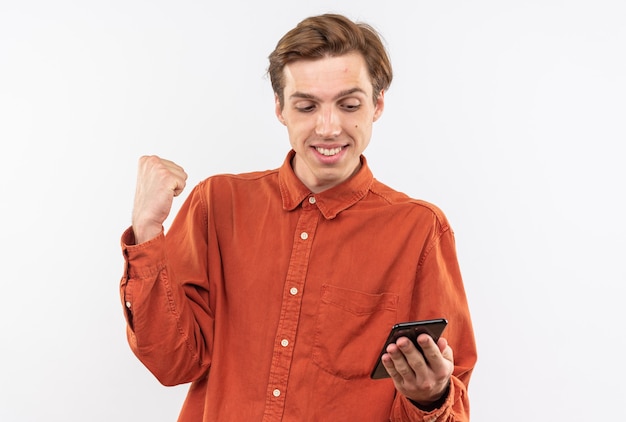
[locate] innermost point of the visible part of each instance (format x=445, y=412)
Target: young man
x=273, y=291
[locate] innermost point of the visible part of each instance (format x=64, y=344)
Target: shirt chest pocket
x=350, y=329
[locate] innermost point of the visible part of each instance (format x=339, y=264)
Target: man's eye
x=305, y=108
x=350, y=106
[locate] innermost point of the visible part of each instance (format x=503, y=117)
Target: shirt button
x=311, y=200
x=304, y=235
x=128, y=305
x=293, y=291
x=284, y=342
x=276, y=392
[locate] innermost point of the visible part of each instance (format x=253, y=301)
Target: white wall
x=508, y=115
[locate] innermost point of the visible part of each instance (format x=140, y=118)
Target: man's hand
x=422, y=380
x=158, y=182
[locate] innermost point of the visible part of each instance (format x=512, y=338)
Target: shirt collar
x=331, y=201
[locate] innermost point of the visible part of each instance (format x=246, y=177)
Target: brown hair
x=330, y=35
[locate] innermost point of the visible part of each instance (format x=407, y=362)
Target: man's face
x=329, y=111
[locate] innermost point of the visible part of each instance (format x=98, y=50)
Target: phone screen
x=410, y=330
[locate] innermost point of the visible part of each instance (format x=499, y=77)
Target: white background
x=508, y=115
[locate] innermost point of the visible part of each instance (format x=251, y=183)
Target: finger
x=412, y=354
x=174, y=168
x=151, y=162
x=389, y=366
x=179, y=187
x=442, y=343
x=428, y=345
x=396, y=364
x=441, y=363
x=179, y=176
x=446, y=350
x=430, y=350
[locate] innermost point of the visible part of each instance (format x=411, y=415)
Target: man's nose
x=328, y=124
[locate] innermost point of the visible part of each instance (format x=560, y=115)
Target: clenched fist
x=158, y=182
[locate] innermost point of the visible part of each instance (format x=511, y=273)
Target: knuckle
x=405, y=371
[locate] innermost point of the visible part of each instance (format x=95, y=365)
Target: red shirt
x=274, y=302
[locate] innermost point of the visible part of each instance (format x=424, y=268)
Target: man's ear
x=278, y=109
x=380, y=105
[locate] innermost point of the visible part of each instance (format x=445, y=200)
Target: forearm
x=167, y=325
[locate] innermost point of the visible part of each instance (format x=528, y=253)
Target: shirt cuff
x=145, y=259
x=436, y=404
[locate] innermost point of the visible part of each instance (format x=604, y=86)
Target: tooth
x=328, y=152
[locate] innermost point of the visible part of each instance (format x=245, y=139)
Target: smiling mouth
x=328, y=152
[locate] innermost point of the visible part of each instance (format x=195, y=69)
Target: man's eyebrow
x=304, y=95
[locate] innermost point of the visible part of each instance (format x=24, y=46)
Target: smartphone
x=410, y=330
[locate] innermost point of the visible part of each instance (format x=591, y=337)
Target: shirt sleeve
x=439, y=292
x=169, y=321
x=454, y=409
